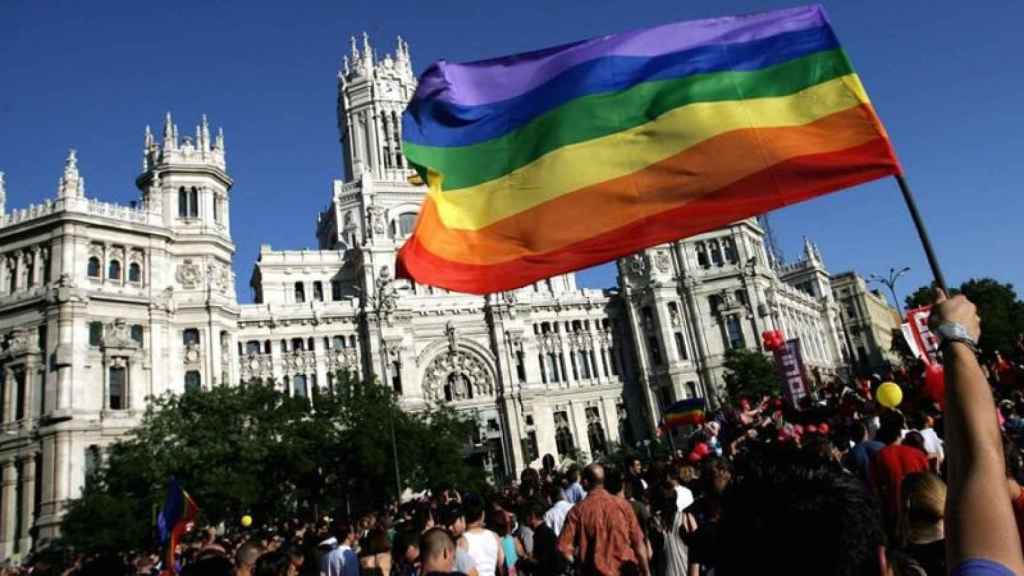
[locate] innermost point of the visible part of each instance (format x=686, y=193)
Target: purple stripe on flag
x=498, y=79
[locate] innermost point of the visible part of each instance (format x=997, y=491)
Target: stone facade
x=869, y=322
x=103, y=305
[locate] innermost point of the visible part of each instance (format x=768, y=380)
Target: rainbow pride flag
x=551, y=161
x=689, y=411
x=179, y=510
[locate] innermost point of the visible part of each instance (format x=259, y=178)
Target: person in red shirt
x=891, y=464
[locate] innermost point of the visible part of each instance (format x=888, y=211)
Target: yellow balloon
x=246, y=521
x=889, y=394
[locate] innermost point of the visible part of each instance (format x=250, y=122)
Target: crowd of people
x=842, y=487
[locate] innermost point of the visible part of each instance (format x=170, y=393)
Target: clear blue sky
x=91, y=75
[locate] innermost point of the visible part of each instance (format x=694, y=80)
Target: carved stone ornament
x=662, y=261
x=464, y=373
x=19, y=342
x=118, y=335
x=378, y=219
x=637, y=264
x=189, y=274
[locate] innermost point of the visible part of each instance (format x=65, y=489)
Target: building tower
x=185, y=181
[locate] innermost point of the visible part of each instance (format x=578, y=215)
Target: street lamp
x=890, y=281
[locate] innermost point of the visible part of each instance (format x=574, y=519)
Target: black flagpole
x=933, y=262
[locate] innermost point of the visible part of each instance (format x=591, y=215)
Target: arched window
x=297, y=344
x=190, y=336
x=182, y=203
x=193, y=381
x=252, y=347
x=396, y=377
x=339, y=342
x=309, y=344
x=93, y=269
x=406, y=223
x=318, y=291
x=300, y=292
x=114, y=270
x=135, y=272
x=193, y=203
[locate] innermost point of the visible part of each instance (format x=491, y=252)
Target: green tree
x=1001, y=310
x=254, y=450
x=749, y=373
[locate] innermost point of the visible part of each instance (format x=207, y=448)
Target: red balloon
x=702, y=449
x=798, y=429
x=935, y=384
x=812, y=429
x=823, y=428
x=693, y=457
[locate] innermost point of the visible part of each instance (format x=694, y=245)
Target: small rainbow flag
x=178, y=511
x=546, y=162
x=689, y=411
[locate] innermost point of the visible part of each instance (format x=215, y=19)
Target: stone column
x=28, y=491
x=544, y=426
x=10, y=389
x=48, y=513
x=610, y=413
x=7, y=508
x=578, y=421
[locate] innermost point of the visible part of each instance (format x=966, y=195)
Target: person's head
x=572, y=474
x=593, y=476
x=613, y=481
x=423, y=518
x=406, y=550
x=892, y=424
x=343, y=532
x=473, y=507
x=532, y=513
x=924, y=508
x=634, y=466
x=717, y=473
x=274, y=563
x=554, y=493
x=451, y=518
x=782, y=496
x=246, y=556
x=548, y=462
x=437, y=551
x=501, y=523
x=914, y=439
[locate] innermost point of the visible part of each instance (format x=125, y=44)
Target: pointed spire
x=206, y=134
x=344, y=65
x=170, y=141
x=148, y=143
x=220, y=139
x=3, y=194
x=367, y=53
x=355, y=50
x=71, y=183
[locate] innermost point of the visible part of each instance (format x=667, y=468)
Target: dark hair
x=272, y=564
x=892, y=425
x=210, y=566
x=781, y=496
x=377, y=542
x=449, y=514
x=533, y=507
x=857, y=431
x=612, y=480
x=572, y=474
x=473, y=507
x=342, y=530
x=548, y=461
x=914, y=439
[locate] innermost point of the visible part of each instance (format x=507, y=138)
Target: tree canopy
x=1001, y=310
x=254, y=450
x=749, y=373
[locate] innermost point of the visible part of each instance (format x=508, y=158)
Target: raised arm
x=979, y=518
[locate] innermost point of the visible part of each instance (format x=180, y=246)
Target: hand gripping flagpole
x=922, y=232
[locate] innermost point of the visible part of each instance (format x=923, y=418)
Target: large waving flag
x=551, y=161
x=179, y=510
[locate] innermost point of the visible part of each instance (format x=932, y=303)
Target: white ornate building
x=103, y=305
